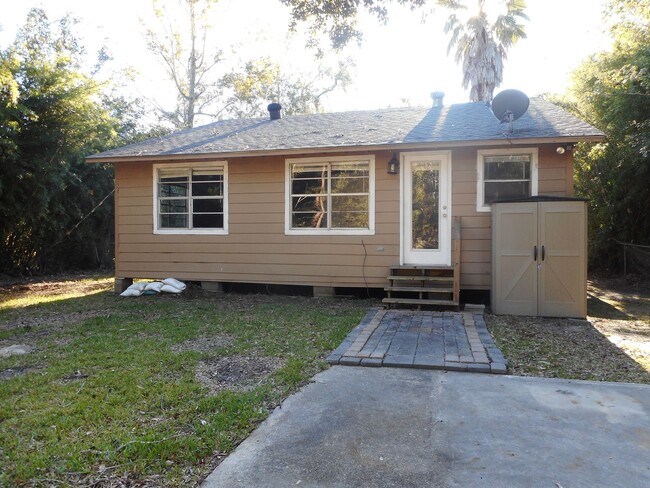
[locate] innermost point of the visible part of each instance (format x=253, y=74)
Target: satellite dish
x=509, y=105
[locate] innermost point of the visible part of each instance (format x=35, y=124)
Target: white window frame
x=480, y=184
x=370, y=159
x=202, y=165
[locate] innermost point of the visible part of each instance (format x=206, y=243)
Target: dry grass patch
x=32, y=292
x=613, y=344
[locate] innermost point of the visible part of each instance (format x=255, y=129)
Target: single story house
x=335, y=201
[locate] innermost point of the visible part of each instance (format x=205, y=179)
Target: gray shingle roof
x=459, y=123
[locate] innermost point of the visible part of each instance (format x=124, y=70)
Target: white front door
x=426, y=208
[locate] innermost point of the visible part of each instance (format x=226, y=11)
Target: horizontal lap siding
x=475, y=226
x=554, y=178
x=256, y=249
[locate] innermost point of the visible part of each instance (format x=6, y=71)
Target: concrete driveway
x=389, y=427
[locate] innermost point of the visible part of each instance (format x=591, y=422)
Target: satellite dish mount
x=509, y=117
x=509, y=105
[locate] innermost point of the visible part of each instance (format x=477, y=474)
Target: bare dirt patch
x=8, y=373
x=241, y=373
x=76, y=376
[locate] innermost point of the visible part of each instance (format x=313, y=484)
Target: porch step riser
x=442, y=279
x=418, y=301
x=418, y=289
x=431, y=286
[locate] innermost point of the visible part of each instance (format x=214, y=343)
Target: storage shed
x=539, y=257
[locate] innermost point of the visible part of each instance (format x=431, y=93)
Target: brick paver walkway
x=453, y=341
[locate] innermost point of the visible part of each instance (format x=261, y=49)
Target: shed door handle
x=543, y=253
x=534, y=253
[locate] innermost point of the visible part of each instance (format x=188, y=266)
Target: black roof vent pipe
x=275, y=111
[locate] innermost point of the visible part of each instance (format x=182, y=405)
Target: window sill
x=196, y=232
x=325, y=232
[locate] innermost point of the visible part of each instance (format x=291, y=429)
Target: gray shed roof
x=458, y=124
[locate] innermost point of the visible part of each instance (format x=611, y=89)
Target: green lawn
x=149, y=389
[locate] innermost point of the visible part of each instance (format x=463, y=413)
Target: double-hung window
x=332, y=195
x=190, y=199
x=505, y=173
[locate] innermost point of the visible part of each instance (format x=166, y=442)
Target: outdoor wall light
x=393, y=165
x=563, y=149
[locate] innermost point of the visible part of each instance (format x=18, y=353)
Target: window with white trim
x=190, y=198
x=330, y=195
x=505, y=173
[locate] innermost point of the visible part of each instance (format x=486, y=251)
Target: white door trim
x=442, y=256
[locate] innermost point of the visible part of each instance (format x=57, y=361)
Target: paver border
x=367, y=346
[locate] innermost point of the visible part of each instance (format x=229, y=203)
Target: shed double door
x=539, y=255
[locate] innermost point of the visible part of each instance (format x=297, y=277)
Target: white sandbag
x=179, y=285
x=170, y=289
x=131, y=292
x=140, y=286
x=153, y=286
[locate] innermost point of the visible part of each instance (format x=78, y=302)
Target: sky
x=401, y=62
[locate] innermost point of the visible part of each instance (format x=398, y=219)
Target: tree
x=338, y=18
x=203, y=91
x=482, y=46
x=611, y=90
x=188, y=61
x=263, y=81
x=51, y=117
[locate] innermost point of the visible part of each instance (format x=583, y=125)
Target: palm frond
x=481, y=47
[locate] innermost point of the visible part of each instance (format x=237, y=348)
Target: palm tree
x=482, y=46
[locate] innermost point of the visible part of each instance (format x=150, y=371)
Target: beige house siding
x=256, y=250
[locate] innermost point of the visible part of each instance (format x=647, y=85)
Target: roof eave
x=346, y=149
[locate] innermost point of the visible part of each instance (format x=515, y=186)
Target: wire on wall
x=363, y=267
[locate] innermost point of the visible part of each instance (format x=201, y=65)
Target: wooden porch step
x=421, y=278
x=411, y=282
x=417, y=301
x=419, y=289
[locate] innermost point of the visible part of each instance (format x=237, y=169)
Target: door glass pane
x=425, y=198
